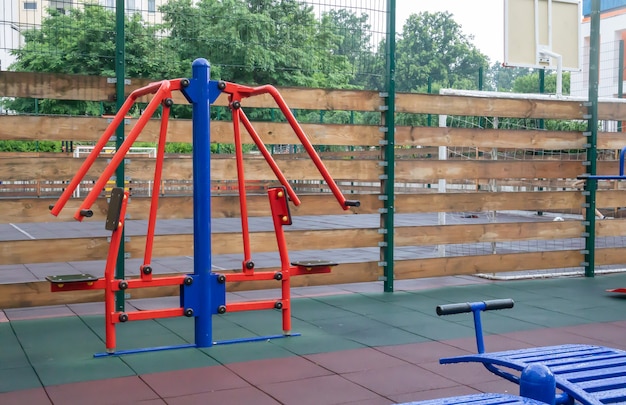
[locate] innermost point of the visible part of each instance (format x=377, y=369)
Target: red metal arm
x=245, y=91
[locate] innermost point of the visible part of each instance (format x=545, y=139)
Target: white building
x=19, y=15
x=612, y=31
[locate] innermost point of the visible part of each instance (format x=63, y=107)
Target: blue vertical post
x=201, y=138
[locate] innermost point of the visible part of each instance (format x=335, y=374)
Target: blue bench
x=480, y=399
x=592, y=375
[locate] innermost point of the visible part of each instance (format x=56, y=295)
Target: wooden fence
x=358, y=168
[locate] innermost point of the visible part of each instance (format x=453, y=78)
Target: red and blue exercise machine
x=203, y=293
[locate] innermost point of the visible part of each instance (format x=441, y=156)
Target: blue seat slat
x=616, y=384
x=594, y=377
x=591, y=374
x=614, y=360
x=480, y=399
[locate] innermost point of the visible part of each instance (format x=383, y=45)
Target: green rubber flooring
x=59, y=350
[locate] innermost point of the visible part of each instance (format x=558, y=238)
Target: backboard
x=537, y=30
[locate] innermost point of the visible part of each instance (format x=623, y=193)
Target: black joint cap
x=86, y=213
x=352, y=203
x=51, y=207
x=249, y=265
x=221, y=85
x=184, y=82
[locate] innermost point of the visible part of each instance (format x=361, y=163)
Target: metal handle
x=460, y=308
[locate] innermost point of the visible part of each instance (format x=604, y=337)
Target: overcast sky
x=484, y=19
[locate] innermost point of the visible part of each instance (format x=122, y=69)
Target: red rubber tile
x=399, y=380
x=426, y=352
x=433, y=394
x=354, y=360
x=325, y=390
x=237, y=396
x=125, y=390
x=33, y=396
x=277, y=370
x=193, y=381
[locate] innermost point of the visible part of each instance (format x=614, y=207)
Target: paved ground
x=358, y=345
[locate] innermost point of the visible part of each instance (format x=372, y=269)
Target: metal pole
x=388, y=152
x=201, y=138
x=592, y=141
x=542, y=124
x=120, y=73
x=620, y=79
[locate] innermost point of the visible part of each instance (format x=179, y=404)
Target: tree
x=530, y=83
x=83, y=42
x=501, y=78
x=433, y=45
x=258, y=41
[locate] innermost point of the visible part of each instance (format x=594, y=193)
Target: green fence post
x=387, y=181
x=120, y=73
x=592, y=141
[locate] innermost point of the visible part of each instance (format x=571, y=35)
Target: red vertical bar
x=109, y=278
x=154, y=201
x=241, y=185
x=280, y=217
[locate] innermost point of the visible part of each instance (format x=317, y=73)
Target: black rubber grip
x=460, y=308
x=499, y=304
x=352, y=203
x=450, y=309
x=86, y=213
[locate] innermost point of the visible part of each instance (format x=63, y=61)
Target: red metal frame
x=278, y=198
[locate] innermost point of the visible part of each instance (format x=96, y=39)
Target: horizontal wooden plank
x=63, y=128
x=489, y=106
x=609, y=256
x=611, y=110
x=36, y=209
x=432, y=170
x=55, y=86
x=96, y=248
x=489, y=232
x=64, y=167
x=488, y=138
x=495, y=263
x=501, y=201
x=38, y=293
x=77, y=87
x=615, y=227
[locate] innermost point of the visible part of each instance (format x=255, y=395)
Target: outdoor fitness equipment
x=589, y=374
x=203, y=293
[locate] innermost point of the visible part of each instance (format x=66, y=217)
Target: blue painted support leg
x=201, y=92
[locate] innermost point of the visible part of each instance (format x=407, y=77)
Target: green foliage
x=501, y=78
x=30, y=146
x=530, y=83
x=258, y=41
x=433, y=45
x=83, y=42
